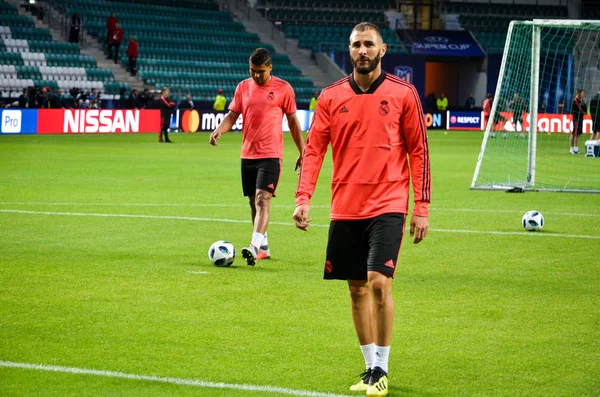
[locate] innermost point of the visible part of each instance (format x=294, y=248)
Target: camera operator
x=94, y=99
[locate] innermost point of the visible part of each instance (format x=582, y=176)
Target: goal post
x=527, y=138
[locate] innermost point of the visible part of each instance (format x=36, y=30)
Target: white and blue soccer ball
x=533, y=221
x=221, y=253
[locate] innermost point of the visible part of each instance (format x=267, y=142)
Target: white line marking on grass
x=196, y=272
x=176, y=381
x=187, y=218
x=272, y=206
x=152, y=205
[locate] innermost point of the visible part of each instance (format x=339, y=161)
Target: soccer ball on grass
x=533, y=221
x=221, y=253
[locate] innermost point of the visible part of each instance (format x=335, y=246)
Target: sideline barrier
x=546, y=122
x=195, y=120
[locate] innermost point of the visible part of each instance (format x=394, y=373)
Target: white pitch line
x=272, y=206
x=176, y=381
x=196, y=272
x=187, y=218
x=220, y=205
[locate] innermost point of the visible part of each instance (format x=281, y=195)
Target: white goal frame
x=537, y=24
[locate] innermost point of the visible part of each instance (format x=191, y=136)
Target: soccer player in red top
x=487, y=110
x=262, y=100
x=375, y=126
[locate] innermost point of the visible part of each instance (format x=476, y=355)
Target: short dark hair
x=364, y=26
x=260, y=56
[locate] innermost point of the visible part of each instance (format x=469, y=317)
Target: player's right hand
x=213, y=138
x=301, y=218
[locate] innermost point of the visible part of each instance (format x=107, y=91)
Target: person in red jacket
x=111, y=24
x=115, y=42
x=132, y=53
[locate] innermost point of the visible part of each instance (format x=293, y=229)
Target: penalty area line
x=187, y=218
x=175, y=381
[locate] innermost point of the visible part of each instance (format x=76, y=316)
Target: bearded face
x=366, y=50
x=364, y=65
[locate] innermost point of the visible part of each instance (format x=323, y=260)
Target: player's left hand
x=419, y=226
x=298, y=163
x=301, y=219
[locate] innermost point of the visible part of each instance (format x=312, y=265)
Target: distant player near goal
x=578, y=110
x=375, y=125
x=263, y=100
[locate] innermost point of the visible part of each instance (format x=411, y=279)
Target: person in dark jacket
x=24, y=99
x=134, y=100
x=470, y=102
x=56, y=100
x=166, y=108
x=578, y=110
x=430, y=103
x=146, y=99
x=187, y=103
x=76, y=25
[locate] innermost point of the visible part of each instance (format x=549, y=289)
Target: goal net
x=528, y=140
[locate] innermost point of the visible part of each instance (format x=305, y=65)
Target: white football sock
x=368, y=352
x=257, y=240
x=382, y=353
x=265, y=242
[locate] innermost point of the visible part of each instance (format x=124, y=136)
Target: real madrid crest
x=384, y=108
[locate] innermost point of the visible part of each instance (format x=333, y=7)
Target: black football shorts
x=260, y=174
x=358, y=246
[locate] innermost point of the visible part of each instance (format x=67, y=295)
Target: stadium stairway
x=301, y=58
x=88, y=46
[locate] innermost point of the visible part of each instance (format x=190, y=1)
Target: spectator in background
x=115, y=42
x=313, y=101
x=578, y=110
x=24, y=99
x=220, y=101
x=132, y=53
x=187, y=103
x=56, y=100
x=145, y=98
x=595, y=113
x=487, y=110
x=561, y=106
x=76, y=25
x=111, y=25
x=442, y=103
x=133, y=102
x=470, y=102
x=123, y=100
x=166, y=107
x=430, y=102
x=94, y=99
x=42, y=99
x=542, y=106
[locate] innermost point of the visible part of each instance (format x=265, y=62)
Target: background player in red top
x=375, y=125
x=262, y=100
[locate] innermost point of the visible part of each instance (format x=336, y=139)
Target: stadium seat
x=29, y=56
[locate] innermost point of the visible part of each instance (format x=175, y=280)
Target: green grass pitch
x=103, y=266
